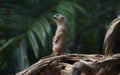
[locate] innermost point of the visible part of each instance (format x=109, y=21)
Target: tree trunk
x=62, y=65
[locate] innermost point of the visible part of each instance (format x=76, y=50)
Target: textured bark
x=112, y=39
x=61, y=65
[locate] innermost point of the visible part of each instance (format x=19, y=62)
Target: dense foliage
x=26, y=29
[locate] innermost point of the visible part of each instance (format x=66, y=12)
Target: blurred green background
x=27, y=28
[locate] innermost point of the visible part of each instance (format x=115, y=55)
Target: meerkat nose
x=54, y=17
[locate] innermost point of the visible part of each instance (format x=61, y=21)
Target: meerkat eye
x=57, y=15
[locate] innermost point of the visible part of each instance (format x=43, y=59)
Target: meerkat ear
x=63, y=18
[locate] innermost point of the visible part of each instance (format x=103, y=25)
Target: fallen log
x=62, y=64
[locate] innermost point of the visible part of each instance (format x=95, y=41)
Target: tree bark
x=62, y=64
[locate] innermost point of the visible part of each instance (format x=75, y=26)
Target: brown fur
x=59, y=38
x=80, y=68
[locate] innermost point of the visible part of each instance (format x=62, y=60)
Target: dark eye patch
x=57, y=15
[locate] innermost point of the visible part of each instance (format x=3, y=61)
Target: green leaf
x=33, y=43
x=8, y=48
x=40, y=32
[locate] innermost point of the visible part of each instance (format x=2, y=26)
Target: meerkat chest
x=61, y=29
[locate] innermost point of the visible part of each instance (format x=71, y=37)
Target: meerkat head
x=58, y=18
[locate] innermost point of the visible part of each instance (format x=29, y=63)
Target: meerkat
x=80, y=68
x=60, y=34
x=112, y=40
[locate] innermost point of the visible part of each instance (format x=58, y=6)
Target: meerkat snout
x=58, y=18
